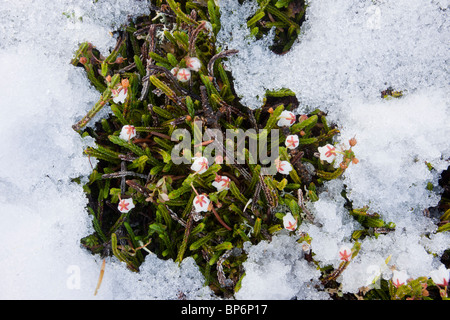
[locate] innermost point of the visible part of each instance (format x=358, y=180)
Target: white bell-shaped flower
x=286, y=119
x=193, y=63
x=283, y=167
x=327, y=153
x=125, y=205
x=174, y=71
x=184, y=75
x=399, y=278
x=289, y=222
x=440, y=276
x=201, y=203
x=292, y=141
x=221, y=183
x=200, y=164
x=128, y=132
x=119, y=95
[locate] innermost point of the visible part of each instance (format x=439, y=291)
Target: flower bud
x=303, y=117
x=119, y=60
x=125, y=83
x=343, y=165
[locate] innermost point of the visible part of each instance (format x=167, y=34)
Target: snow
x=348, y=52
x=277, y=270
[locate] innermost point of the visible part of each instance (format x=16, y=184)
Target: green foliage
x=285, y=16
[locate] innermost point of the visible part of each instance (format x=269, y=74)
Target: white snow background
x=349, y=51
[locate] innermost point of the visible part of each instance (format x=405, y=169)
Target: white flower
x=440, y=276
x=127, y=133
x=120, y=92
x=375, y=272
x=201, y=203
x=286, y=119
x=174, y=71
x=119, y=95
x=399, y=278
x=283, y=167
x=292, y=141
x=345, y=253
x=199, y=165
x=193, y=63
x=183, y=75
x=125, y=205
x=289, y=222
x=221, y=183
x=327, y=152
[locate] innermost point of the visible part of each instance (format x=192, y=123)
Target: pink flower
x=399, y=278
x=327, y=152
x=292, y=141
x=283, y=167
x=200, y=164
x=184, y=75
x=440, y=276
x=125, y=205
x=193, y=63
x=221, y=183
x=127, y=133
x=286, y=119
x=289, y=222
x=345, y=253
x=201, y=203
